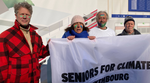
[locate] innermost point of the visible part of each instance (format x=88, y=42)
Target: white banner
x=121, y=59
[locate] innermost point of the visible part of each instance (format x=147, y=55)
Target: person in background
x=129, y=24
x=77, y=29
x=20, y=49
x=101, y=30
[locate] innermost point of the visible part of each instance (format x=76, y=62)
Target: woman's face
x=78, y=27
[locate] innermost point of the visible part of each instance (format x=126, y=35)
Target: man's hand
x=48, y=41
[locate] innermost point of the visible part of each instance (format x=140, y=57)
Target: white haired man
x=101, y=30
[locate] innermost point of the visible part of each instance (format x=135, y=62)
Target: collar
x=125, y=32
x=26, y=30
x=102, y=28
x=17, y=25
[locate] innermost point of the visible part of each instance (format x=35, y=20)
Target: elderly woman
x=77, y=29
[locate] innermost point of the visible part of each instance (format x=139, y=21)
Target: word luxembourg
x=83, y=76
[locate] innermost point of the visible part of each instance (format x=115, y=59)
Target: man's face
x=102, y=18
x=129, y=26
x=23, y=16
x=78, y=27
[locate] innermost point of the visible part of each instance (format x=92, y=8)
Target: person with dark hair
x=129, y=24
x=77, y=29
x=20, y=49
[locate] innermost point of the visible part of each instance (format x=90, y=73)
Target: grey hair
x=24, y=5
x=101, y=12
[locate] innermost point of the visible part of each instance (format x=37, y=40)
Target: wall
x=66, y=9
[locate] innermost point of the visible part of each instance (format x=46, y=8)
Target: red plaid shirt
x=17, y=63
